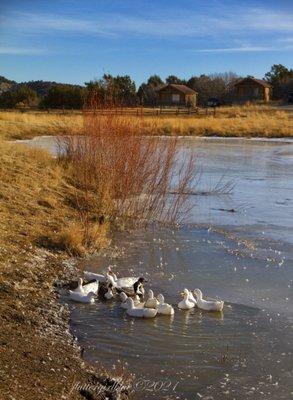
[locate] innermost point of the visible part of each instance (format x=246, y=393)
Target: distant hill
x=40, y=87
x=5, y=80
x=5, y=84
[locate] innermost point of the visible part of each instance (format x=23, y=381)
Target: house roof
x=181, y=88
x=259, y=81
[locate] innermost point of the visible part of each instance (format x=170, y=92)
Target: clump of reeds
x=124, y=175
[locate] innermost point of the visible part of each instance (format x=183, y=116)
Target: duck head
x=111, y=280
x=111, y=273
x=123, y=297
x=130, y=303
x=185, y=294
x=160, y=298
x=198, y=293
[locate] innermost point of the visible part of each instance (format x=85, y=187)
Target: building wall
x=171, y=97
x=251, y=91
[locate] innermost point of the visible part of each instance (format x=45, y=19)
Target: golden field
x=18, y=125
x=245, y=121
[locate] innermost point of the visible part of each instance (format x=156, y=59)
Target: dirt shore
x=39, y=357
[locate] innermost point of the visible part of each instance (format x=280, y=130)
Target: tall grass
x=239, y=121
x=233, y=122
x=16, y=125
x=124, y=175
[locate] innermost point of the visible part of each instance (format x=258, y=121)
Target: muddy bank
x=39, y=357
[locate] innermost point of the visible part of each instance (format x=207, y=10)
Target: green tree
x=147, y=91
x=278, y=74
x=281, y=79
x=26, y=96
x=155, y=81
x=112, y=90
x=7, y=100
x=22, y=95
x=125, y=89
x=63, y=96
x=174, y=79
x=219, y=86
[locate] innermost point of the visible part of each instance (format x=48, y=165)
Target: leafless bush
x=124, y=175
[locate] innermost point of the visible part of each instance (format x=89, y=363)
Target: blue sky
x=75, y=41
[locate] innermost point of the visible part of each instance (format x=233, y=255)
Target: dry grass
x=17, y=125
x=36, y=206
x=238, y=121
x=232, y=122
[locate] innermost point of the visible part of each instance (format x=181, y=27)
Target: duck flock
x=131, y=294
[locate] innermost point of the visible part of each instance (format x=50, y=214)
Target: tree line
x=121, y=90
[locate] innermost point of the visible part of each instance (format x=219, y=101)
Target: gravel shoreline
x=39, y=357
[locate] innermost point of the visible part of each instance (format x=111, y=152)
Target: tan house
x=252, y=89
x=176, y=95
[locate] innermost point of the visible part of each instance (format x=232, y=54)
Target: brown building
x=252, y=89
x=176, y=95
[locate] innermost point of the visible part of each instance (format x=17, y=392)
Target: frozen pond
x=235, y=245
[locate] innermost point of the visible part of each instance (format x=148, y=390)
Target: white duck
x=126, y=283
x=208, y=305
x=82, y=297
x=109, y=294
x=92, y=275
x=122, y=283
x=191, y=298
x=151, y=301
x=79, y=288
x=133, y=311
x=99, y=277
x=136, y=301
x=86, y=288
x=185, y=304
x=164, y=308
